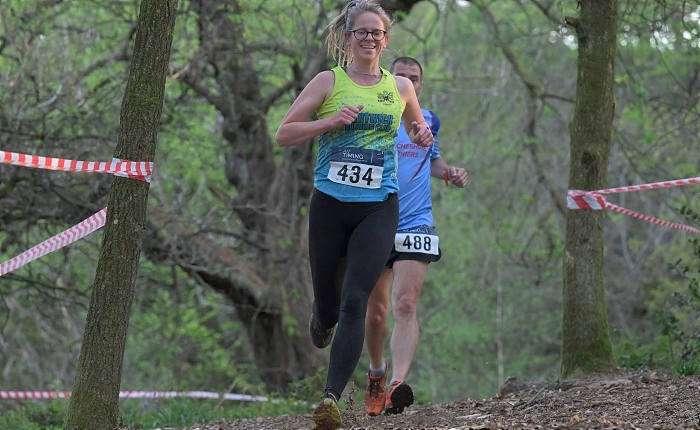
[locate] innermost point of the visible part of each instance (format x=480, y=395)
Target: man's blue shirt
x=415, y=204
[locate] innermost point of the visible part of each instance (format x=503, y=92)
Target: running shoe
x=327, y=414
x=320, y=336
x=375, y=397
x=400, y=397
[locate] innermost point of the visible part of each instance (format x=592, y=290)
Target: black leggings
x=349, y=244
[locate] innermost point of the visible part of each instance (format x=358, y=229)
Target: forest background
x=223, y=289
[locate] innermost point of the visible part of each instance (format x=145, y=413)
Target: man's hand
x=456, y=175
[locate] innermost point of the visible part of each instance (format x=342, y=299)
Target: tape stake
x=54, y=243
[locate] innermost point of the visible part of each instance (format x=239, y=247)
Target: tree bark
x=586, y=345
x=94, y=403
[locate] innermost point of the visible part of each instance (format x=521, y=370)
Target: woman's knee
x=354, y=302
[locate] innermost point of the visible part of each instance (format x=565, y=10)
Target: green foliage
x=634, y=353
x=149, y=413
x=47, y=415
x=688, y=368
x=308, y=389
x=677, y=346
x=185, y=412
x=183, y=342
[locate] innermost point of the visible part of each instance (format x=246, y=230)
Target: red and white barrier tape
x=652, y=186
x=675, y=225
x=140, y=170
x=594, y=200
x=62, y=239
x=587, y=200
x=43, y=395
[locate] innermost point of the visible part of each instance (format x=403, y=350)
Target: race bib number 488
x=357, y=167
x=417, y=243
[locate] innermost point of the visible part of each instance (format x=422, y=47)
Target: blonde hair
x=341, y=24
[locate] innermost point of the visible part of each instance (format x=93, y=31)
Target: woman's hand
x=346, y=116
x=421, y=135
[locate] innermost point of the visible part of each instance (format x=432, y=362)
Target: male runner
x=416, y=245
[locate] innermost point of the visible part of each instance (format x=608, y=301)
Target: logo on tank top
x=372, y=121
x=386, y=98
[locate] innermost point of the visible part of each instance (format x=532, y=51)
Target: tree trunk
x=586, y=345
x=94, y=403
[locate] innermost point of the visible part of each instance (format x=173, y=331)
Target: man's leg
x=376, y=330
x=408, y=282
x=376, y=323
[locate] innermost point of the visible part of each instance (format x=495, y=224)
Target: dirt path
x=624, y=400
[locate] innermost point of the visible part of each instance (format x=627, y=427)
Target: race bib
x=420, y=243
x=357, y=167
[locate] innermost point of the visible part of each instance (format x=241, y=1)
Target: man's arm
x=456, y=175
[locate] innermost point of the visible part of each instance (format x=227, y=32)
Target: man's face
x=412, y=72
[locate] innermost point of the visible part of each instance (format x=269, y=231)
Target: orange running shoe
x=376, y=393
x=400, y=397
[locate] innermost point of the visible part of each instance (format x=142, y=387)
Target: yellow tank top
x=357, y=162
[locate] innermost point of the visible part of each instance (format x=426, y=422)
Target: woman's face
x=371, y=26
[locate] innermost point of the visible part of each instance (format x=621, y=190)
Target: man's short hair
x=409, y=61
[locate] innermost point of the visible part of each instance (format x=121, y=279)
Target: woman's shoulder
x=402, y=83
x=324, y=78
x=325, y=74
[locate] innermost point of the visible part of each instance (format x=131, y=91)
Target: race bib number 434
x=420, y=243
x=357, y=167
